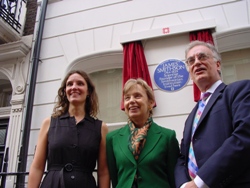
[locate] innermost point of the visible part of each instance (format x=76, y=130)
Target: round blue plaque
x=171, y=75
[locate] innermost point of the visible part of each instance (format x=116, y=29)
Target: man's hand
x=191, y=184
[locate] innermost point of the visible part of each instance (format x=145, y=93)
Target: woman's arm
x=39, y=161
x=102, y=168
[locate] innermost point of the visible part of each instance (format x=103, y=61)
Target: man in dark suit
x=220, y=143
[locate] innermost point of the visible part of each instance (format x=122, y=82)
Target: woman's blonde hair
x=139, y=81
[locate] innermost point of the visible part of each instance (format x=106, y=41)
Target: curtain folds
x=134, y=64
x=206, y=36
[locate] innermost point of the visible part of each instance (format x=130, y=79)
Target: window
x=5, y=93
x=109, y=89
x=6, y=98
x=235, y=65
x=3, y=132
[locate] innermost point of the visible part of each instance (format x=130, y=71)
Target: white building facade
x=88, y=35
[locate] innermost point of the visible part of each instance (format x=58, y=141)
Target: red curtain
x=206, y=36
x=134, y=64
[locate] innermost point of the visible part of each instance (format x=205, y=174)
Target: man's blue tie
x=192, y=165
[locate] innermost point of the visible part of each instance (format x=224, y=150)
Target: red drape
x=206, y=36
x=134, y=64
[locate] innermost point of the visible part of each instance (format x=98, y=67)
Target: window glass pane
x=2, y=136
x=1, y=160
x=235, y=65
x=6, y=99
x=3, y=132
x=5, y=93
x=109, y=89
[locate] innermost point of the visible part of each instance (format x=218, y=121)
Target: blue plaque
x=171, y=75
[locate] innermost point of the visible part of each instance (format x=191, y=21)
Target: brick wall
x=30, y=17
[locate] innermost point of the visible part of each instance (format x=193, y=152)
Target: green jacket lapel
x=154, y=134
x=123, y=139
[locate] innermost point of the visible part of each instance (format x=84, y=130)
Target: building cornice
x=14, y=50
x=233, y=39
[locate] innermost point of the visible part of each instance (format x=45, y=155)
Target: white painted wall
x=78, y=32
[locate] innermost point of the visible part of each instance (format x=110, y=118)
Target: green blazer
x=155, y=166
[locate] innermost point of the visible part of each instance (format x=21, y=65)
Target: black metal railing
x=10, y=12
x=5, y=166
x=4, y=173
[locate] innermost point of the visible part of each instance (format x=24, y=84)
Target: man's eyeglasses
x=200, y=56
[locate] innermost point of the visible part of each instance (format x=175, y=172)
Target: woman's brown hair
x=62, y=104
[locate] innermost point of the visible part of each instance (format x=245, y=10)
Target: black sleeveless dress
x=72, y=152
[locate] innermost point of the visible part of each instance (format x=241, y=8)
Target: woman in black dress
x=72, y=140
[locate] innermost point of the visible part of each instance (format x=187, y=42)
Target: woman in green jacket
x=141, y=154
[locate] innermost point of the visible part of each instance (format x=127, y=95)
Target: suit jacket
x=222, y=139
x=155, y=166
